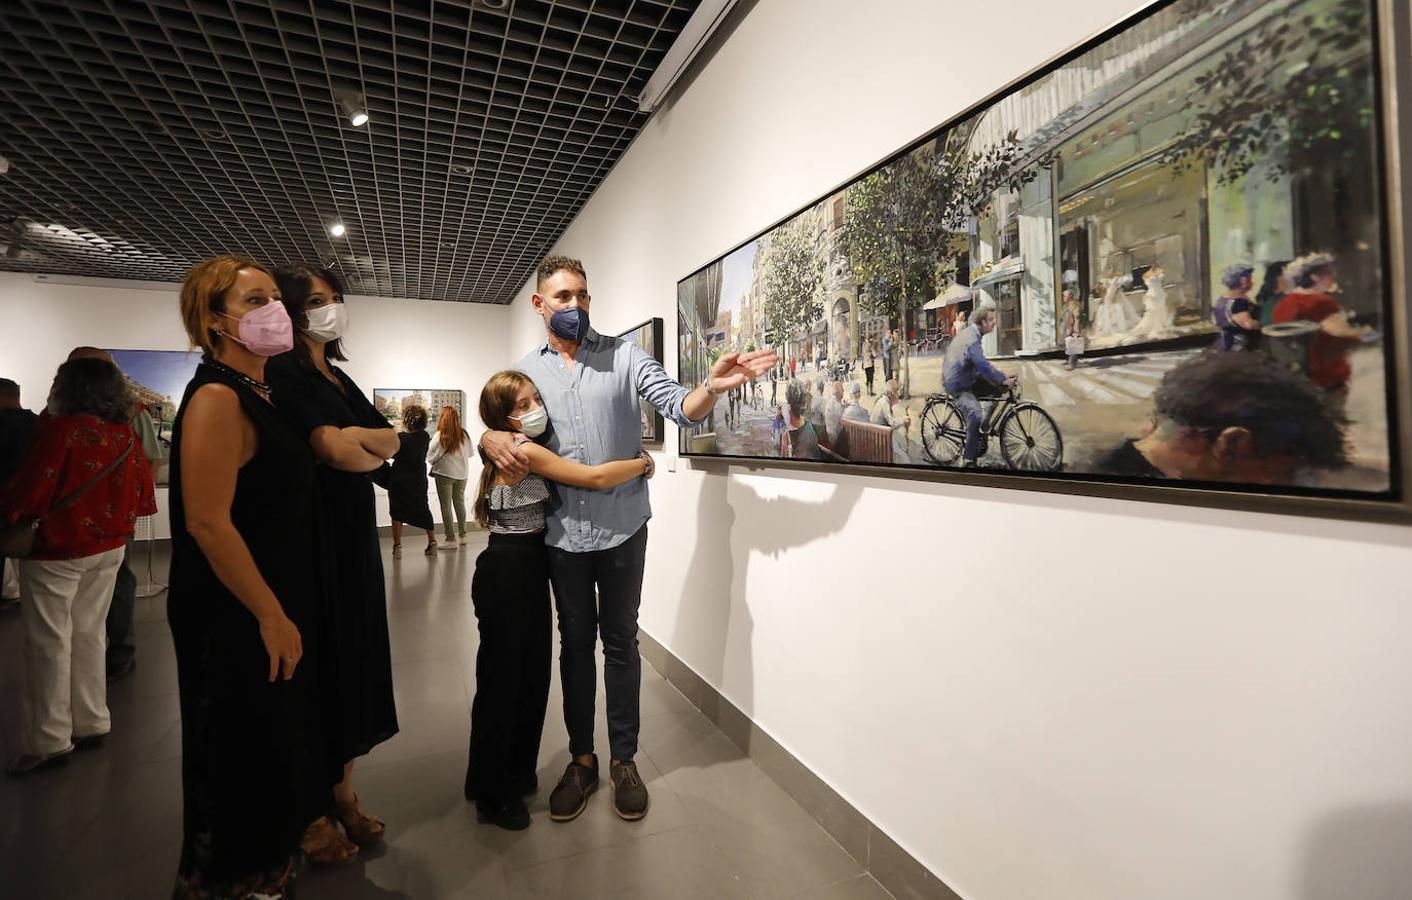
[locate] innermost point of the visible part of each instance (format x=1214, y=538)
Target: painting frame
x=653, y=426
x=1391, y=42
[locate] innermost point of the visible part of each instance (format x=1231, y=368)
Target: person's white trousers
x=64, y=603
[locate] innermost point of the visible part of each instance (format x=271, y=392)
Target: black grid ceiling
x=144, y=136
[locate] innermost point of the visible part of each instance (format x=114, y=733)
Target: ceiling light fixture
x=460, y=169
x=337, y=229
x=698, y=29
x=354, y=107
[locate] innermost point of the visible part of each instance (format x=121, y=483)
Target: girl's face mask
x=532, y=423
x=266, y=331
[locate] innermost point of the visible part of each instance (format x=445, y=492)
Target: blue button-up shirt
x=594, y=418
x=965, y=363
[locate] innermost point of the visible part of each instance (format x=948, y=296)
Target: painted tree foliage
x=894, y=231
x=793, y=282
x=1294, y=93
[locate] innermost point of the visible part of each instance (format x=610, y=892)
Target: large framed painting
x=648, y=336
x=158, y=380
x=391, y=401
x=1168, y=265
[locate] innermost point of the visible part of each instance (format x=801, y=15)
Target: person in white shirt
x=889, y=411
x=450, y=460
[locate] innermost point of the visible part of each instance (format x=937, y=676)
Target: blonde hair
x=203, y=292
x=497, y=401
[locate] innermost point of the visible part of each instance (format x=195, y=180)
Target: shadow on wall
x=733, y=525
x=1360, y=852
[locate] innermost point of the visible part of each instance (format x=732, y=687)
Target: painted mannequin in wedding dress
x=1115, y=316
x=1157, y=313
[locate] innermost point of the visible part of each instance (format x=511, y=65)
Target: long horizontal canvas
x=158, y=380
x=391, y=401
x=1161, y=260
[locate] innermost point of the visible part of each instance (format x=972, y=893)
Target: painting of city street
x=1160, y=260
x=648, y=336
x=158, y=380
x=390, y=402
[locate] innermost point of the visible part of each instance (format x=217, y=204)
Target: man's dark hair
x=9, y=390
x=553, y=264
x=1283, y=412
x=797, y=396
x=92, y=386
x=295, y=282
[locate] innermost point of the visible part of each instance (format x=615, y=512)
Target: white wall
x=1037, y=695
x=393, y=343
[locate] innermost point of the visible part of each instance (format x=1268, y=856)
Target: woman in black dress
x=407, y=482
x=244, y=605
x=350, y=439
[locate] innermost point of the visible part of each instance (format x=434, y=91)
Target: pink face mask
x=266, y=331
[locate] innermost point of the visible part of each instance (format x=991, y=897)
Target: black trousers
x=598, y=594
x=510, y=592
x=121, y=646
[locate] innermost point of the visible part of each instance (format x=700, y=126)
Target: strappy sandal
x=324, y=846
x=396, y=551
x=360, y=827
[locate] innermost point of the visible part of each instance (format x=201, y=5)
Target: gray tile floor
x=108, y=825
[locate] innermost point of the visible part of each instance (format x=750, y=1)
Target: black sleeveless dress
x=360, y=652
x=257, y=757
x=407, y=482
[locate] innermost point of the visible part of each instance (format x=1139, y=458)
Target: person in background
x=816, y=412
x=1236, y=315
x=833, y=412
x=16, y=430
x=350, y=439
x=1272, y=287
x=870, y=364
x=1232, y=417
x=1073, y=329
x=246, y=604
x=889, y=344
x=510, y=591
x=121, y=655
x=854, y=411
x=85, y=478
x=798, y=439
x=888, y=410
x=450, y=458
x=407, y=482
x=970, y=378
x=1312, y=300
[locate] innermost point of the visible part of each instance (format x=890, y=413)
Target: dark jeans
x=121, y=646
x=583, y=617
x=511, y=598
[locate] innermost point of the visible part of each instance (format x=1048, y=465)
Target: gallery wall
x=392, y=343
x=1037, y=695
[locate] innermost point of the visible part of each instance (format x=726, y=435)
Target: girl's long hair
x=497, y=401
x=450, y=434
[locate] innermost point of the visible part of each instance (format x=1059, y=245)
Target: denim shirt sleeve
x=657, y=387
x=983, y=367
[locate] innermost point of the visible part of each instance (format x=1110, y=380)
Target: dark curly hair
x=1283, y=412
x=93, y=387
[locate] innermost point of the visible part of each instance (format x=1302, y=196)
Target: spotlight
x=336, y=229
x=354, y=107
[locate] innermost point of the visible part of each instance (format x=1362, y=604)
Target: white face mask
x=327, y=323
x=533, y=423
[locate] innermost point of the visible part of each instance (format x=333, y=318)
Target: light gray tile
x=679, y=864
x=864, y=887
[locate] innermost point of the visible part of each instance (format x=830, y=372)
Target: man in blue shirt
x=590, y=386
x=969, y=377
